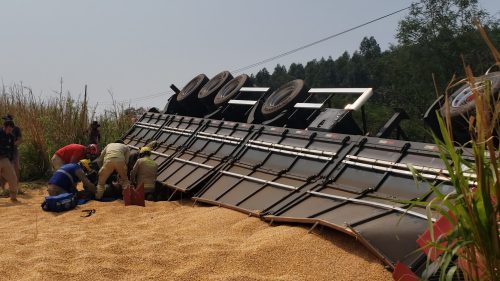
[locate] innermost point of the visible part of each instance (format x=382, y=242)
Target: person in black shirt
x=18, y=138
x=94, y=134
x=6, y=155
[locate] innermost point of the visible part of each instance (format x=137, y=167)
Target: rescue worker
x=6, y=155
x=72, y=153
x=144, y=172
x=114, y=158
x=65, y=179
x=134, y=155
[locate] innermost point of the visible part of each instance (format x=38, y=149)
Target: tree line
x=434, y=42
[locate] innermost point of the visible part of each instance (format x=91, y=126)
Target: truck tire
x=461, y=102
x=208, y=92
x=190, y=91
x=284, y=97
x=231, y=89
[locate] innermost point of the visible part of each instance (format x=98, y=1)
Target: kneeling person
x=144, y=172
x=65, y=178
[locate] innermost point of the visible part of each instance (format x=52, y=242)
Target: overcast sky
x=136, y=49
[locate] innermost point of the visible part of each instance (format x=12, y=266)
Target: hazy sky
x=136, y=49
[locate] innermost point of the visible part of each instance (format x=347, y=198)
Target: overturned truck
x=287, y=156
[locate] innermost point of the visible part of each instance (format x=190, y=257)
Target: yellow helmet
x=85, y=164
x=145, y=149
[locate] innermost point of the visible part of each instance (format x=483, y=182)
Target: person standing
x=6, y=155
x=17, y=141
x=144, y=172
x=94, y=133
x=114, y=158
x=72, y=153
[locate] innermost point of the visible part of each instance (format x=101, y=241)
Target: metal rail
x=370, y=203
x=286, y=186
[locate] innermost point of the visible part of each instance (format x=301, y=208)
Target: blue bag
x=60, y=203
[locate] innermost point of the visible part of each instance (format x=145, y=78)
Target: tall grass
x=472, y=246
x=48, y=124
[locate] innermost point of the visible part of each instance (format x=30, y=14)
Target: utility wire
x=271, y=58
x=315, y=42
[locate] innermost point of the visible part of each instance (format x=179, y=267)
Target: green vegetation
x=50, y=124
x=434, y=41
x=473, y=208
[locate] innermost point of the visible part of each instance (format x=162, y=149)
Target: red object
x=71, y=153
x=134, y=196
x=441, y=227
x=93, y=149
x=470, y=269
x=403, y=273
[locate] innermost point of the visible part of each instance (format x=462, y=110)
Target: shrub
x=473, y=244
x=52, y=123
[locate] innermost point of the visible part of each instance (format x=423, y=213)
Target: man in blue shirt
x=65, y=178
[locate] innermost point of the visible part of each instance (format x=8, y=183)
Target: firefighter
x=144, y=172
x=114, y=158
x=134, y=155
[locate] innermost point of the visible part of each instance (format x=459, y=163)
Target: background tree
x=262, y=78
x=297, y=71
x=279, y=76
x=429, y=20
x=434, y=41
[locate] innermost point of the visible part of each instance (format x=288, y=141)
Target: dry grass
x=49, y=124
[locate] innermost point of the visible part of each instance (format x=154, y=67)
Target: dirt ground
x=169, y=241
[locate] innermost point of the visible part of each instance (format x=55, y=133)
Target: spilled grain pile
x=169, y=241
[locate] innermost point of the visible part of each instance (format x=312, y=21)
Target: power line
x=316, y=42
x=269, y=59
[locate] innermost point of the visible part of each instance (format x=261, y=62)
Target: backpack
x=60, y=203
